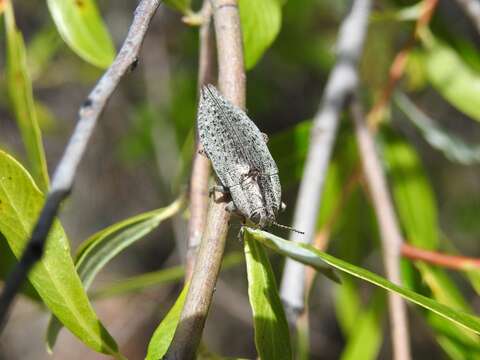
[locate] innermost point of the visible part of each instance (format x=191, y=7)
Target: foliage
x=289, y=51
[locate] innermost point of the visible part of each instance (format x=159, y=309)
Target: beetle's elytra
x=240, y=158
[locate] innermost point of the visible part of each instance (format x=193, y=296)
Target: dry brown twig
x=232, y=85
x=389, y=230
x=66, y=170
x=200, y=164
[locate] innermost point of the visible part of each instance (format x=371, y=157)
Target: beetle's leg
x=265, y=137
x=220, y=188
x=202, y=152
x=283, y=206
x=231, y=207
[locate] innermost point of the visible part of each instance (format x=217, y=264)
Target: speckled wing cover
x=235, y=146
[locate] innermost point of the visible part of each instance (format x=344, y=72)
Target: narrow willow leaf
x=22, y=102
x=163, y=335
x=365, y=341
x=181, y=5
x=452, y=77
x=414, y=199
x=156, y=278
x=100, y=248
x=348, y=306
x=308, y=255
x=41, y=49
x=452, y=146
x=7, y=261
x=82, y=28
x=261, y=22
x=417, y=212
x=406, y=13
x=272, y=338
x=54, y=277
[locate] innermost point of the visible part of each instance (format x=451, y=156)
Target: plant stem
x=342, y=81
x=200, y=164
x=232, y=85
x=66, y=170
x=389, y=229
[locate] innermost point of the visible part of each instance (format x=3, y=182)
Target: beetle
x=240, y=158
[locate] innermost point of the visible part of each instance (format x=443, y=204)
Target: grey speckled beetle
x=240, y=158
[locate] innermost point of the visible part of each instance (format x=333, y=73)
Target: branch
x=389, y=229
x=342, y=81
x=232, y=85
x=455, y=262
x=472, y=9
x=65, y=172
x=200, y=165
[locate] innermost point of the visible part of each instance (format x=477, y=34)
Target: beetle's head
x=262, y=217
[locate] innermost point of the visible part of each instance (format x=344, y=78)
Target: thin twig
x=399, y=64
x=472, y=9
x=455, y=262
x=343, y=79
x=389, y=229
x=65, y=172
x=200, y=165
x=232, y=85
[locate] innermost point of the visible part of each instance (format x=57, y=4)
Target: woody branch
x=66, y=170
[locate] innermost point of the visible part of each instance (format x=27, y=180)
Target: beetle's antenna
x=287, y=227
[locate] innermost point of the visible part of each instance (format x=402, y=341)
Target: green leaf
x=452, y=146
x=181, y=5
x=100, y=248
x=272, y=338
x=290, y=148
x=366, y=338
x=82, y=28
x=54, y=277
x=452, y=77
x=156, y=278
x=417, y=210
x=414, y=199
x=308, y=255
x=22, y=102
x=261, y=22
x=163, y=335
x=41, y=49
x=7, y=261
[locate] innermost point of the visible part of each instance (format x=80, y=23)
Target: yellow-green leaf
x=103, y=246
x=455, y=80
x=308, y=255
x=163, y=335
x=261, y=22
x=82, y=28
x=22, y=102
x=181, y=5
x=272, y=338
x=54, y=277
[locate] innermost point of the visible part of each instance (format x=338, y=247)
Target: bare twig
x=455, y=262
x=66, y=170
x=232, y=85
x=343, y=79
x=389, y=229
x=472, y=9
x=200, y=165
